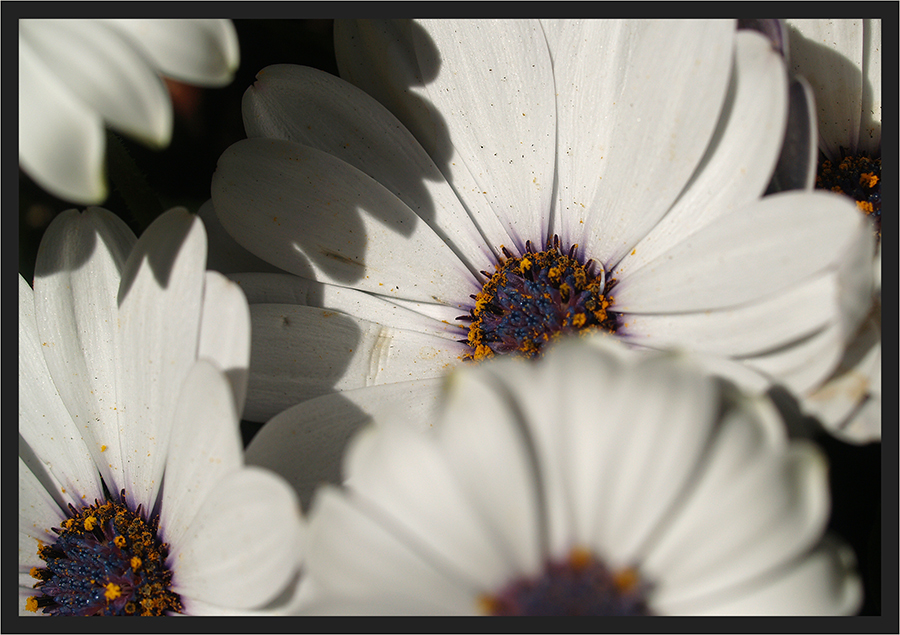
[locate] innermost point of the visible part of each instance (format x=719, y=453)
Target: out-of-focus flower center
x=581, y=585
x=859, y=177
x=107, y=560
x=533, y=298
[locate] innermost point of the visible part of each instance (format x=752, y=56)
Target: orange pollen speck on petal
x=103, y=448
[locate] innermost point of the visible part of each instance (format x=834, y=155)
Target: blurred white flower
x=132, y=372
x=77, y=76
x=592, y=482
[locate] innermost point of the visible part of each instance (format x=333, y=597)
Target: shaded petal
x=739, y=161
x=355, y=557
x=829, y=54
x=160, y=300
x=38, y=513
x=315, y=216
x=824, y=582
x=204, y=446
x=305, y=444
x=403, y=474
x=60, y=458
x=637, y=109
x=61, y=140
x=742, y=519
x=314, y=108
x=203, y=52
x=303, y=352
x=754, y=252
x=77, y=275
x=225, y=255
x=802, y=366
x=797, y=163
x=870, y=121
x=246, y=556
x=225, y=332
x=103, y=69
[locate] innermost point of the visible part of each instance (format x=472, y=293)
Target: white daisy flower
x=77, y=76
x=133, y=496
x=591, y=482
x=617, y=191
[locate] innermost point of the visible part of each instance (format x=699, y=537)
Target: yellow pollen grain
x=865, y=206
x=90, y=522
x=579, y=320
x=112, y=591
x=869, y=179
x=625, y=580
x=119, y=541
x=579, y=558
x=34, y=573
x=487, y=605
x=31, y=604
x=103, y=448
x=135, y=563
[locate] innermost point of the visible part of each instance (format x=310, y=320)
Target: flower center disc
x=859, y=177
x=106, y=561
x=531, y=299
x=580, y=586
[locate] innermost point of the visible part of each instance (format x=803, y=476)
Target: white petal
x=354, y=557
x=823, y=582
x=638, y=102
x=744, y=330
x=870, y=121
x=749, y=254
x=243, y=546
x=742, y=153
x=494, y=89
x=829, y=54
x=395, y=62
x=225, y=255
x=742, y=520
x=485, y=441
x=61, y=140
x=204, y=446
x=159, y=318
x=38, y=513
x=103, y=70
x=317, y=217
x=55, y=452
x=303, y=352
x=203, y=52
x=313, y=108
x=76, y=283
x=305, y=443
x=225, y=332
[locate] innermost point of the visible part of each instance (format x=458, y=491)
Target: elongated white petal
x=485, y=441
x=742, y=153
x=747, y=255
x=870, y=119
x=638, y=102
x=822, y=583
x=203, y=52
x=204, y=446
x=353, y=554
x=242, y=548
x=303, y=352
x=61, y=139
x=313, y=108
x=710, y=544
x=159, y=318
x=317, y=430
x=225, y=332
x=38, y=513
x=104, y=70
x=76, y=283
x=829, y=54
x=494, y=87
x=57, y=452
x=316, y=216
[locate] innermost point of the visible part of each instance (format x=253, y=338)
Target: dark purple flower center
x=533, y=298
x=107, y=560
x=580, y=586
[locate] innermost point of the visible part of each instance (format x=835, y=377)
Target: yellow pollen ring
x=90, y=522
x=112, y=591
x=868, y=179
x=31, y=604
x=119, y=541
x=135, y=563
x=865, y=206
x=626, y=580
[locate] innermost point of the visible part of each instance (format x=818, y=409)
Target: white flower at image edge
x=132, y=372
x=646, y=153
x=78, y=76
x=591, y=482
